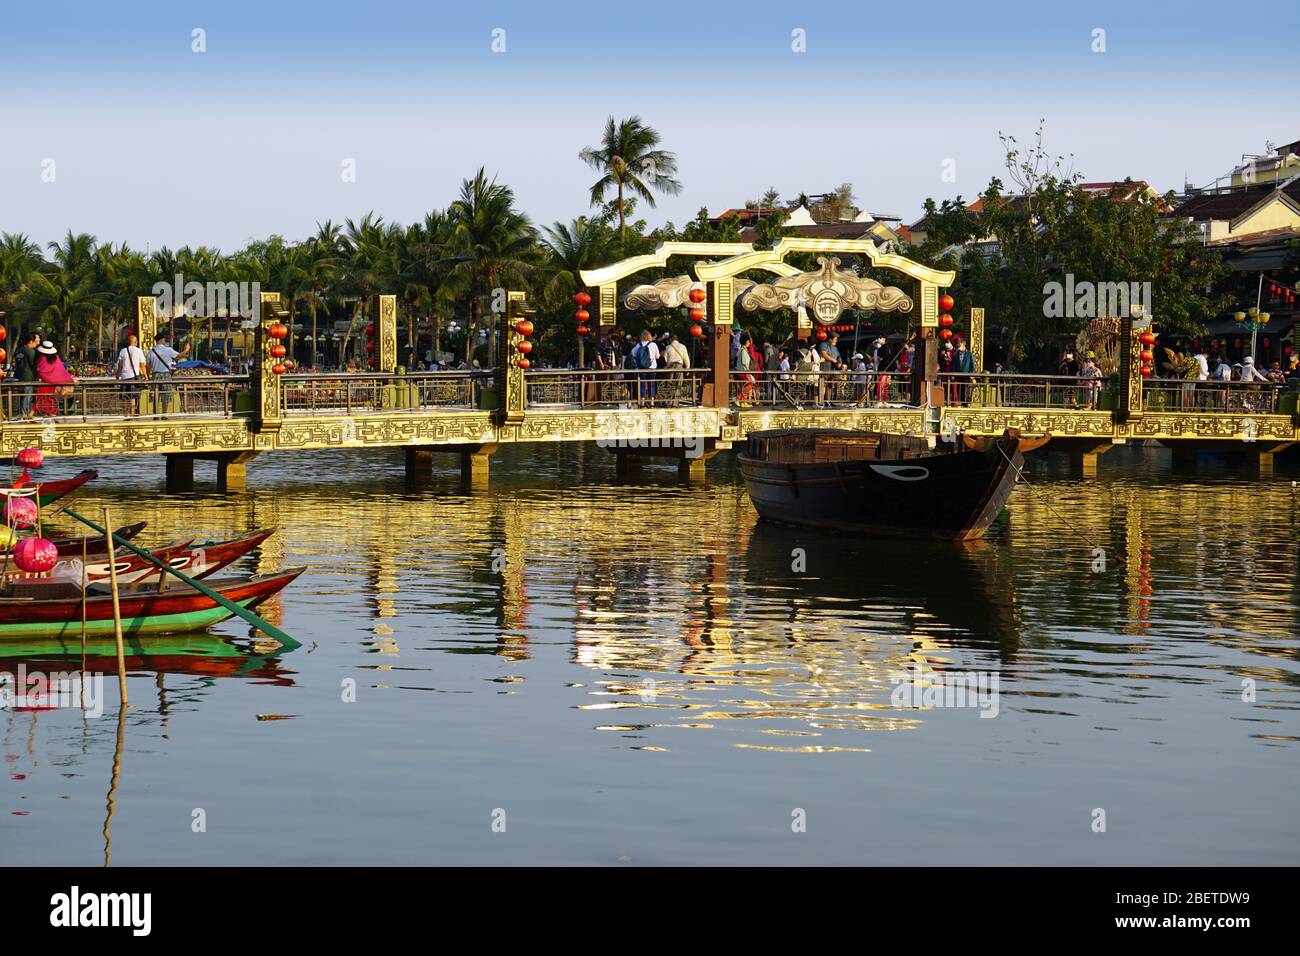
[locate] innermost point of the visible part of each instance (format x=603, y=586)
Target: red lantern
x=582, y=315
x=278, y=368
x=525, y=346
x=36, y=555
x=277, y=351
x=697, y=315
x=1146, y=371
x=583, y=330
x=3, y=355
x=821, y=335
x=524, y=363
x=370, y=346
x=696, y=331
x=582, y=299
x=370, y=329
x=1145, y=356
x=19, y=512
x=945, y=320
x=945, y=334
x=1147, y=338
x=4, y=333
x=30, y=458
x=1265, y=341
x=524, y=327
x=697, y=295
x=277, y=330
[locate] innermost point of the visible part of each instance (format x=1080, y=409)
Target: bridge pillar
x=180, y=473
x=1259, y=463
x=474, y=461
x=383, y=313
x=232, y=470
x=1084, y=454
x=419, y=463
x=1184, y=454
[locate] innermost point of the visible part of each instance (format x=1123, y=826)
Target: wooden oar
x=261, y=624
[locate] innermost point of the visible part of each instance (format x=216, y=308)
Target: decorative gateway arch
x=828, y=289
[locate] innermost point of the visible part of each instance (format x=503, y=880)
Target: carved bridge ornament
x=829, y=290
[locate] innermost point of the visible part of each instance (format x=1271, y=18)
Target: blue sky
x=155, y=144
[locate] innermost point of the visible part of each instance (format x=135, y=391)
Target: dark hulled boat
x=878, y=484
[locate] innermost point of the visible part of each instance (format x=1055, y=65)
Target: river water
x=565, y=670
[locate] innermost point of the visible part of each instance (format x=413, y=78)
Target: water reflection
x=666, y=618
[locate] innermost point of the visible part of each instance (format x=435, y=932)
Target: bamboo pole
x=117, y=608
x=85, y=582
x=251, y=617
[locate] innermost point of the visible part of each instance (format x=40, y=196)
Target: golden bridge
x=686, y=415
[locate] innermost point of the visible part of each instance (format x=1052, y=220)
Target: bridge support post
x=1084, y=455
x=1259, y=462
x=1184, y=454
x=232, y=470
x=474, y=461
x=419, y=463
x=180, y=473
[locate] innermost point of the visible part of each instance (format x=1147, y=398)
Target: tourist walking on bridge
x=131, y=371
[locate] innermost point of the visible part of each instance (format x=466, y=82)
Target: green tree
x=628, y=160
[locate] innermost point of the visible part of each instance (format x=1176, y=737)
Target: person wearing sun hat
x=55, y=379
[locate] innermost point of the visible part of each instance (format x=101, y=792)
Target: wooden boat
x=130, y=566
x=95, y=545
x=196, y=560
x=52, y=491
x=51, y=608
x=877, y=484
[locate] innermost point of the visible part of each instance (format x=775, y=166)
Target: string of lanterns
x=696, y=313
x=1146, y=339
x=945, y=320
x=22, y=511
x=4, y=334
x=525, y=328
x=583, y=299
x=277, y=331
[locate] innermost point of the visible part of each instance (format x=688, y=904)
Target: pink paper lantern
x=19, y=512
x=36, y=555
x=30, y=458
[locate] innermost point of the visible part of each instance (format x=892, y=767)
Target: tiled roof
x=1231, y=203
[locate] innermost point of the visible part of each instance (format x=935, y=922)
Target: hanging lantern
x=19, y=512
x=277, y=351
x=821, y=335
x=1146, y=371
x=370, y=329
x=30, y=458
x=945, y=320
x=1146, y=356
x=525, y=347
x=524, y=327
x=524, y=363
x=277, y=330
x=582, y=299
x=1147, y=338
x=4, y=333
x=278, y=368
x=583, y=330
x=582, y=315
x=945, y=334
x=370, y=346
x=36, y=555
x=3, y=355
x=945, y=303
x=696, y=331
x=696, y=295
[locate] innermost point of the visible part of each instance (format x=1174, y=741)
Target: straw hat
x=47, y=348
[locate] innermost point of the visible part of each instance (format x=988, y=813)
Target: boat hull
x=954, y=496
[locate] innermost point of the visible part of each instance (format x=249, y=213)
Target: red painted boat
x=51, y=608
x=71, y=547
x=198, y=561
x=51, y=491
x=131, y=567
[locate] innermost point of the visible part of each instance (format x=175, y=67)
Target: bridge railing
x=199, y=396
x=1014, y=390
x=1223, y=398
x=659, y=388
x=841, y=389
x=353, y=393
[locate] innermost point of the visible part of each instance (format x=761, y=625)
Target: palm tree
x=628, y=160
x=19, y=258
x=489, y=242
x=580, y=245
x=367, y=249
x=320, y=262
